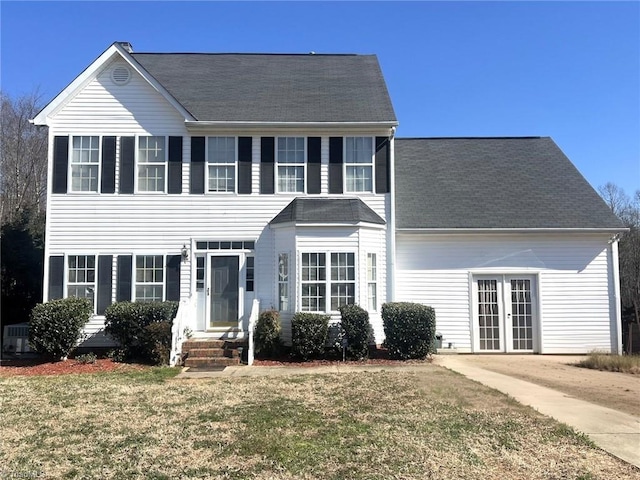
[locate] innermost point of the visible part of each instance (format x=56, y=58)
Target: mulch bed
x=11, y=368
x=377, y=356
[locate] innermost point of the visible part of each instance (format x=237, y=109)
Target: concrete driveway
x=611, y=429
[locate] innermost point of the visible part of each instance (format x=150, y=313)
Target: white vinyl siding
x=573, y=283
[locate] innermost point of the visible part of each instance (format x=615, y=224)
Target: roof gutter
x=454, y=231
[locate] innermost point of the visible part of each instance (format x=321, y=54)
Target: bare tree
x=23, y=159
x=615, y=197
x=628, y=210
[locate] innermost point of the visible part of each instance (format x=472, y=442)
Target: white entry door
x=504, y=313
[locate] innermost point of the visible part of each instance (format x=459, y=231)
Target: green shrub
x=409, y=329
x=126, y=322
x=267, y=333
x=56, y=326
x=308, y=335
x=86, y=358
x=357, y=331
x=157, y=342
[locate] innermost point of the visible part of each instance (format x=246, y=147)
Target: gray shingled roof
x=493, y=183
x=327, y=210
x=274, y=87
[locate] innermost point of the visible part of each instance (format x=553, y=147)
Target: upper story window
x=291, y=164
x=85, y=164
x=359, y=164
x=152, y=164
x=221, y=164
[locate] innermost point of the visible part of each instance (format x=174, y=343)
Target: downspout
x=615, y=269
x=391, y=255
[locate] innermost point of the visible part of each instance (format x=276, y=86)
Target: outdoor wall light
x=184, y=252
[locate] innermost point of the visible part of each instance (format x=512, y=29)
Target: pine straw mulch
x=12, y=368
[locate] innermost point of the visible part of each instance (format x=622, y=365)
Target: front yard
x=354, y=425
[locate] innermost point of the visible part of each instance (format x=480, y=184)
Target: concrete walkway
x=615, y=432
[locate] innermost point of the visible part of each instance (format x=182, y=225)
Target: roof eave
x=448, y=231
x=194, y=125
x=299, y=223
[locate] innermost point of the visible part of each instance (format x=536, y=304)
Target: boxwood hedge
x=409, y=329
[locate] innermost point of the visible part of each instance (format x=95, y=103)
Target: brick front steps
x=203, y=353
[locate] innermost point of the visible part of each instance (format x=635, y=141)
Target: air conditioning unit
x=16, y=338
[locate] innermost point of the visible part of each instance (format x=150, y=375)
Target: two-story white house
x=222, y=179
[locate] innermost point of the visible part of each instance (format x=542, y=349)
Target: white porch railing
x=253, y=318
x=186, y=310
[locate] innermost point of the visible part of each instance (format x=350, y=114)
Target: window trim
x=208, y=163
x=66, y=283
x=346, y=164
x=71, y=164
x=278, y=164
x=134, y=275
x=328, y=282
x=137, y=166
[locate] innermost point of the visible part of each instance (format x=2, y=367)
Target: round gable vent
x=121, y=75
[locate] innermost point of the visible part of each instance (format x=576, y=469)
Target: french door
x=505, y=313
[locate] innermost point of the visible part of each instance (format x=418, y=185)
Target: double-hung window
x=291, y=162
x=81, y=276
x=152, y=164
x=319, y=290
x=221, y=164
x=85, y=164
x=149, y=278
x=359, y=164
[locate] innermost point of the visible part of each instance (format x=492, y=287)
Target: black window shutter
x=244, y=165
x=313, y=164
x=175, y=165
x=127, y=161
x=382, y=165
x=196, y=182
x=56, y=277
x=335, y=165
x=105, y=263
x=108, y=180
x=267, y=145
x=173, y=277
x=60, y=164
x=123, y=287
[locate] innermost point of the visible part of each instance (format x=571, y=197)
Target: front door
x=504, y=313
x=223, y=292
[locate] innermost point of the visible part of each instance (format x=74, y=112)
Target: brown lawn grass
x=612, y=363
x=384, y=425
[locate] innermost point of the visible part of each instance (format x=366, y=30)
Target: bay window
x=319, y=290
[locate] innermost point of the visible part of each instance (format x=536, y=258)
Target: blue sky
x=566, y=70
